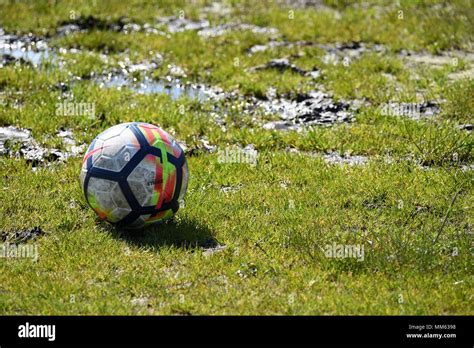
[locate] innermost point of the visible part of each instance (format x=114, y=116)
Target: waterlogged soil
x=17, y=142
x=175, y=24
x=171, y=87
x=334, y=53
x=27, y=49
x=21, y=236
x=334, y=157
x=315, y=108
x=282, y=65
x=341, y=159
x=162, y=26
x=123, y=24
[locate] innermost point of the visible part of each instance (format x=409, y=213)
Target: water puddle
x=22, y=49
x=31, y=50
x=173, y=88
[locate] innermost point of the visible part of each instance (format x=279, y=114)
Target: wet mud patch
x=123, y=25
x=444, y=59
x=226, y=28
x=311, y=109
x=338, y=159
x=92, y=23
x=346, y=51
x=335, y=53
x=466, y=127
x=87, y=23
x=334, y=157
x=315, y=108
x=28, y=49
x=204, y=29
x=19, y=143
x=173, y=82
x=282, y=65
x=162, y=26
x=10, y=135
x=177, y=24
x=21, y=236
x=170, y=86
x=8, y=59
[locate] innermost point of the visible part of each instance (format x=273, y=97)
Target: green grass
x=413, y=217
x=279, y=244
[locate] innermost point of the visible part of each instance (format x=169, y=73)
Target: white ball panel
x=142, y=181
x=109, y=198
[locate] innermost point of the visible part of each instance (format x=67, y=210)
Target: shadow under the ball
x=183, y=233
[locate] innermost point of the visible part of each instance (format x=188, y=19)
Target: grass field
x=251, y=239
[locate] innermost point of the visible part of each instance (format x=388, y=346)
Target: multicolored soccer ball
x=134, y=174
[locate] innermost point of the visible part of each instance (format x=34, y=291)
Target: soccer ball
x=134, y=174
